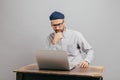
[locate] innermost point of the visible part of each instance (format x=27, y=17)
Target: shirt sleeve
x=85, y=48
x=49, y=44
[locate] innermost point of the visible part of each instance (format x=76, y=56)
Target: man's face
x=58, y=25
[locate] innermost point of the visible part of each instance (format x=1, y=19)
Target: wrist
x=54, y=42
x=86, y=61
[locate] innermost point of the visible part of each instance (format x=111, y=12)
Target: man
x=70, y=41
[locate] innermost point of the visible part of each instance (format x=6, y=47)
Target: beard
x=59, y=30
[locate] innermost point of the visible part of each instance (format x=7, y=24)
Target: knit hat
x=56, y=15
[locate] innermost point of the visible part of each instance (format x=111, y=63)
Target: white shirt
x=74, y=44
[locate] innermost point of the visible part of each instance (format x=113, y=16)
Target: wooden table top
x=92, y=71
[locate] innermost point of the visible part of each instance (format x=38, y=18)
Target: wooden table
x=31, y=72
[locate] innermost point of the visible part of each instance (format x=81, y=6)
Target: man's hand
x=57, y=37
x=83, y=64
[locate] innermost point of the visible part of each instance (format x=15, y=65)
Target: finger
x=84, y=65
x=81, y=65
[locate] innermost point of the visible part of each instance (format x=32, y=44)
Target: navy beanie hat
x=56, y=15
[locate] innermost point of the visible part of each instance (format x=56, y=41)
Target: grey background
x=24, y=25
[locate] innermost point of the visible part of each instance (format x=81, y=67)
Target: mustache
x=59, y=30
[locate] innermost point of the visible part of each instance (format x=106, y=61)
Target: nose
x=57, y=27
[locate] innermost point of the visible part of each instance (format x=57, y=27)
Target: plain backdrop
x=24, y=26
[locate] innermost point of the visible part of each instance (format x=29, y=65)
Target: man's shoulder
x=75, y=32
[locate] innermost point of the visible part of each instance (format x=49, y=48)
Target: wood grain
x=91, y=71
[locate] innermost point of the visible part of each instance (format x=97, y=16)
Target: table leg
x=19, y=76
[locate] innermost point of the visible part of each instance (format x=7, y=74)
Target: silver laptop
x=54, y=60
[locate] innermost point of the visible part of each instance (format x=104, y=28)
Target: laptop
x=53, y=60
